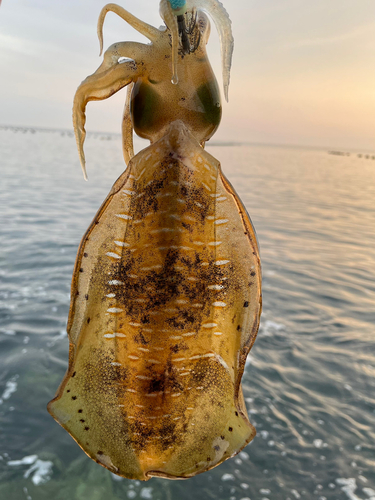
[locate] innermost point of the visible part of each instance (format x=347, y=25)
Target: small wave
x=8, y=332
x=349, y=486
x=146, y=493
x=10, y=388
x=268, y=328
x=58, y=337
x=40, y=469
x=227, y=477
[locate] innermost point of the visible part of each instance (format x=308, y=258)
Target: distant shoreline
x=365, y=153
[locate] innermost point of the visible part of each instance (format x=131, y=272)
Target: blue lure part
x=178, y=6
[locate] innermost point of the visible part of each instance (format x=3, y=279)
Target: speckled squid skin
x=166, y=299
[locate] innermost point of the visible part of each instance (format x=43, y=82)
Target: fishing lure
x=166, y=291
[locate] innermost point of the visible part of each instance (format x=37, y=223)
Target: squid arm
x=223, y=24
x=145, y=29
x=213, y=7
x=127, y=128
x=108, y=79
x=150, y=32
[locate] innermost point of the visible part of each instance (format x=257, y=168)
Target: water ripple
x=309, y=383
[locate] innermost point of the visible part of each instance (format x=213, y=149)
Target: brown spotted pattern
x=165, y=307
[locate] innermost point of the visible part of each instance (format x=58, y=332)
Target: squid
x=166, y=289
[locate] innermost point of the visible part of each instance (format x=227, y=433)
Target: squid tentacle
x=145, y=29
x=97, y=87
x=224, y=27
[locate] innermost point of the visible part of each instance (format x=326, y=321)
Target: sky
x=303, y=71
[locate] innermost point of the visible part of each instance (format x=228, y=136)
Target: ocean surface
x=309, y=382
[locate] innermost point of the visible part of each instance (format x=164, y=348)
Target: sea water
x=309, y=382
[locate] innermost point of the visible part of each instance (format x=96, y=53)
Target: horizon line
x=214, y=143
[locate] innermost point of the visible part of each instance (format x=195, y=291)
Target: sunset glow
x=303, y=72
